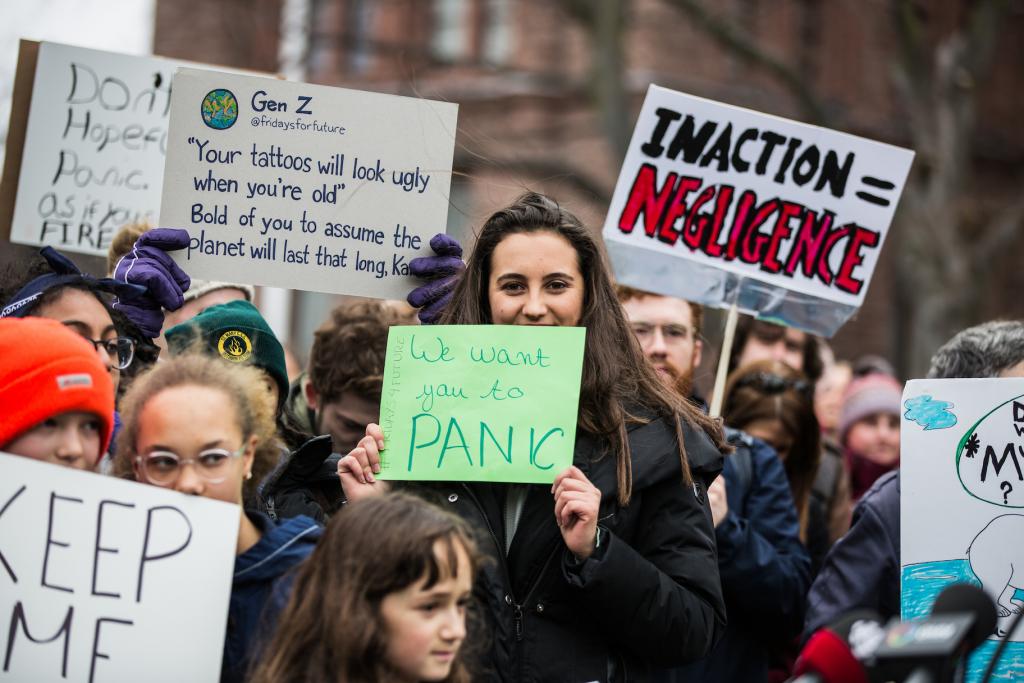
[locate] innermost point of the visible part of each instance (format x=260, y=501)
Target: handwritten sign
x=94, y=149
x=305, y=186
x=962, y=502
x=480, y=402
x=717, y=204
x=103, y=579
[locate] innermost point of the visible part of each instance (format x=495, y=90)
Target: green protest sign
x=480, y=402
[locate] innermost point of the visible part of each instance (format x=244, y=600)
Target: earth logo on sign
x=220, y=109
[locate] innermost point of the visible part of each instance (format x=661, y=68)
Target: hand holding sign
x=356, y=469
x=577, y=504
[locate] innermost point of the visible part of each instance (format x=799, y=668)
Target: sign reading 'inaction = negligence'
x=303, y=186
x=480, y=402
x=718, y=204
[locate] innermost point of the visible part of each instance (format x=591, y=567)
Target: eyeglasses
x=120, y=350
x=164, y=467
x=770, y=383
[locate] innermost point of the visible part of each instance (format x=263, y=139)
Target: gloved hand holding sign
x=442, y=272
x=149, y=264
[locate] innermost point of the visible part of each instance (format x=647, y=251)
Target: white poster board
x=962, y=501
x=304, y=186
x=94, y=147
x=717, y=204
x=103, y=579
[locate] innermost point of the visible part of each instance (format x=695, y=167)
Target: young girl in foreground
x=204, y=427
x=382, y=598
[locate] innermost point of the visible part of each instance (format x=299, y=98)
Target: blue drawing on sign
x=929, y=413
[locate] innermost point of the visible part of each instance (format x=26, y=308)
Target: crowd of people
x=677, y=547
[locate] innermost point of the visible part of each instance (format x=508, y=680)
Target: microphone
x=932, y=650
x=833, y=654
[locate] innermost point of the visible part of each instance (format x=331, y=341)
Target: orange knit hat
x=45, y=370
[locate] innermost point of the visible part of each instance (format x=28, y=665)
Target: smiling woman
x=612, y=568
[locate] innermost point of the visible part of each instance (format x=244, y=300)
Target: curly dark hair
x=349, y=348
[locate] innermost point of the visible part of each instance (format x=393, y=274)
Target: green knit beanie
x=236, y=332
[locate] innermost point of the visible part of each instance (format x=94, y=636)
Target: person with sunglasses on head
x=203, y=427
x=771, y=401
x=56, y=395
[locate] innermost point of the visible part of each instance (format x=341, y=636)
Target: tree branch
x=745, y=48
x=999, y=233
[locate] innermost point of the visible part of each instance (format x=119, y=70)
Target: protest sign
x=721, y=205
x=94, y=142
x=480, y=402
x=304, y=186
x=962, y=502
x=109, y=580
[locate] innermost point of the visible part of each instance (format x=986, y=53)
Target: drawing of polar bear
x=997, y=558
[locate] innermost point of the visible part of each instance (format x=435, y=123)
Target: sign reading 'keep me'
x=103, y=579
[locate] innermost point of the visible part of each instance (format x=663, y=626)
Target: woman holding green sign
x=622, y=578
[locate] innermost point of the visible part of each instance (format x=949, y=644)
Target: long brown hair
x=332, y=629
x=242, y=384
x=618, y=385
x=771, y=390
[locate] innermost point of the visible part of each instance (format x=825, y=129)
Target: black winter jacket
x=648, y=597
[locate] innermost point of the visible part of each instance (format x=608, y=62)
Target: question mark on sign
x=1006, y=488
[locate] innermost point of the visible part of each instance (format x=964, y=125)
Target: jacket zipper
x=517, y=608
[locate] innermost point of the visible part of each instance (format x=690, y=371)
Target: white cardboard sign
x=103, y=579
x=304, y=186
x=962, y=501
x=711, y=196
x=94, y=147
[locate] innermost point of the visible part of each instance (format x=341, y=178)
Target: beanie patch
x=234, y=346
x=78, y=380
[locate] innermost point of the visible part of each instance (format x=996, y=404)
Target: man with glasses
x=764, y=568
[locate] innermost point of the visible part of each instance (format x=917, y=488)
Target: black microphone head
x=966, y=598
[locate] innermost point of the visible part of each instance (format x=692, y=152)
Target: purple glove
x=149, y=264
x=442, y=272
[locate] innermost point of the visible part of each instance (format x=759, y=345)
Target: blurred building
x=548, y=90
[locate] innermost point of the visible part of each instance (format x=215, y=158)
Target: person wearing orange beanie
x=56, y=397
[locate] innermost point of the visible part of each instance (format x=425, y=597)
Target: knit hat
x=45, y=370
x=236, y=332
x=867, y=395
x=199, y=288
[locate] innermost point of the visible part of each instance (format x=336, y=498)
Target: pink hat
x=873, y=393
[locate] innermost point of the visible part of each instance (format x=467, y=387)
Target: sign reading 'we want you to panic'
x=480, y=402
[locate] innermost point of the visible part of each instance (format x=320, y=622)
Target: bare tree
x=942, y=269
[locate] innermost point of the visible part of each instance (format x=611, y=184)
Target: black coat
x=649, y=596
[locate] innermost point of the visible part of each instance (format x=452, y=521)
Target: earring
x=248, y=475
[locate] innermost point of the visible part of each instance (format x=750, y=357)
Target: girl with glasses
x=206, y=428
x=611, y=571
x=53, y=287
